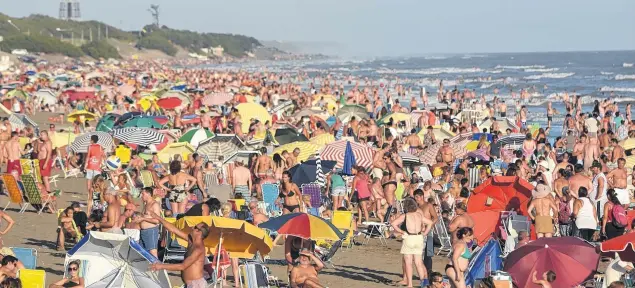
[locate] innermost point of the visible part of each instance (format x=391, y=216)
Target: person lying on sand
x=304, y=274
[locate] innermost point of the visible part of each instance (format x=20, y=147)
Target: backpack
x=619, y=216
x=564, y=213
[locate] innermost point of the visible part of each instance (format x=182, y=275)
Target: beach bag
x=564, y=213
x=619, y=216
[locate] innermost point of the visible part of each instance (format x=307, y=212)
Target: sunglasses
x=72, y=268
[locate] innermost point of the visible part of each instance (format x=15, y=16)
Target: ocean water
x=593, y=75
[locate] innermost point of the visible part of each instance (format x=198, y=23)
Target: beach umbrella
x=623, y=245
x=169, y=103
x=107, y=122
x=331, y=121
x=61, y=139
x=116, y=261
x=138, y=136
x=307, y=171
x=319, y=173
x=180, y=87
x=143, y=122
x=396, y=117
x=30, y=73
x=16, y=122
x=147, y=101
x=77, y=95
x=45, y=96
x=94, y=74
x=485, y=224
x=220, y=145
x=303, y=225
x=628, y=144
x=307, y=149
x=322, y=139
x=347, y=112
x=571, y=258
x=307, y=112
x=217, y=98
x=81, y=142
x=126, y=117
x=284, y=106
x=287, y=135
x=430, y=154
x=249, y=111
x=501, y=193
x=515, y=139
x=484, y=261
x=177, y=94
x=238, y=237
x=17, y=94
x=336, y=151
x=81, y=116
x=196, y=135
x=349, y=160
x=181, y=148
x=409, y=159
x=440, y=133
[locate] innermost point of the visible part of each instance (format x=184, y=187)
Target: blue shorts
x=90, y=174
x=149, y=238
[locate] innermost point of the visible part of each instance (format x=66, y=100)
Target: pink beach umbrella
x=217, y=98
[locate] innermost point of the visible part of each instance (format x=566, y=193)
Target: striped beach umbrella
x=138, y=136
x=224, y=145
x=319, y=174
x=196, y=136
x=336, y=151
x=81, y=143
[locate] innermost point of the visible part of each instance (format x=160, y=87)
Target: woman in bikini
x=278, y=166
x=179, y=183
x=290, y=193
x=529, y=146
x=461, y=255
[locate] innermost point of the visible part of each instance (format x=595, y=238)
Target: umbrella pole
x=220, y=244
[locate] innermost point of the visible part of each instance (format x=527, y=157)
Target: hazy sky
x=383, y=27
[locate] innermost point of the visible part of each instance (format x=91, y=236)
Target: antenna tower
x=69, y=10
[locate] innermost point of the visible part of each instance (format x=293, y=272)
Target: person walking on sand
x=544, y=207
x=13, y=152
x=45, y=154
x=93, y=162
x=192, y=266
x=413, y=227
x=241, y=183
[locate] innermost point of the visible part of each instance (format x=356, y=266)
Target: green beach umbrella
x=143, y=122
x=196, y=136
x=106, y=123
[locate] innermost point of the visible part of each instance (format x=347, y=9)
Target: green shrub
x=100, y=49
x=40, y=44
x=154, y=41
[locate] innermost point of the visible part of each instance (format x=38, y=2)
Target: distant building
x=218, y=51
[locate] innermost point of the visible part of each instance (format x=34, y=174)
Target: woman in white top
x=585, y=215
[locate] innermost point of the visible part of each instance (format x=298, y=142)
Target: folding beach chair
x=343, y=220
x=14, y=192
x=32, y=278
x=378, y=229
x=173, y=252
x=255, y=275
x=146, y=178
x=73, y=172
x=270, y=195
x=315, y=191
x=28, y=256
x=32, y=193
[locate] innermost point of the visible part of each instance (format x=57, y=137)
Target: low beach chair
x=14, y=192
x=73, y=172
x=146, y=178
x=269, y=195
x=33, y=195
x=255, y=275
x=32, y=278
x=315, y=191
x=28, y=256
x=378, y=229
x=344, y=221
x=173, y=252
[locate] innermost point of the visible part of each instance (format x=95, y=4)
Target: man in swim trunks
x=447, y=153
x=45, y=155
x=617, y=180
x=149, y=232
x=379, y=165
x=543, y=204
x=110, y=222
x=461, y=220
x=192, y=266
x=305, y=274
x=263, y=163
x=13, y=152
x=241, y=182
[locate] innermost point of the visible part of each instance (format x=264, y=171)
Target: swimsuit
x=177, y=193
x=291, y=208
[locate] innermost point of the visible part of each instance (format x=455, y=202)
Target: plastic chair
x=343, y=220
x=269, y=195
x=32, y=278
x=315, y=191
x=28, y=256
x=14, y=192
x=124, y=153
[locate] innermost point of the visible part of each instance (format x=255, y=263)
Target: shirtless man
x=13, y=152
x=241, y=181
x=579, y=180
x=45, y=155
x=206, y=120
x=591, y=152
x=578, y=149
x=414, y=142
x=429, y=212
x=149, y=232
x=192, y=266
x=304, y=274
x=258, y=216
x=111, y=218
x=379, y=165
x=543, y=204
x=617, y=153
x=617, y=180
x=4, y=137
x=550, y=112
x=447, y=153
x=462, y=219
x=263, y=163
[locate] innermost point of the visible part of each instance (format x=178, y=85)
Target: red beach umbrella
x=572, y=259
x=169, y=102
x=623, y=245
x=501, y=193
x=485, y=223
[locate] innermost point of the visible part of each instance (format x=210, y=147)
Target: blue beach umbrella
x=307, y=171
x=349, y=159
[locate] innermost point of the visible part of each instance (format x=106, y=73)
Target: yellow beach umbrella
x=182, y=148
x=440, y=133
x=471, y=146
x=81, y=115
x=628, y=144
x=61, y=139
x=147, y=101
x=323, y=139
x=630, y=162
x=248, y=111
x=306, y=149
x=239, y=238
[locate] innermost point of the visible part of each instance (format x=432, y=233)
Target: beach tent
x=113, y=260
x=46, y=96
x=501, y=193
x=487, y=260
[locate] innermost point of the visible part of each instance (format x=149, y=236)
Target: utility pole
x=106, y=31
x=90, y=34
x=82, y=36
x=99, y=32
